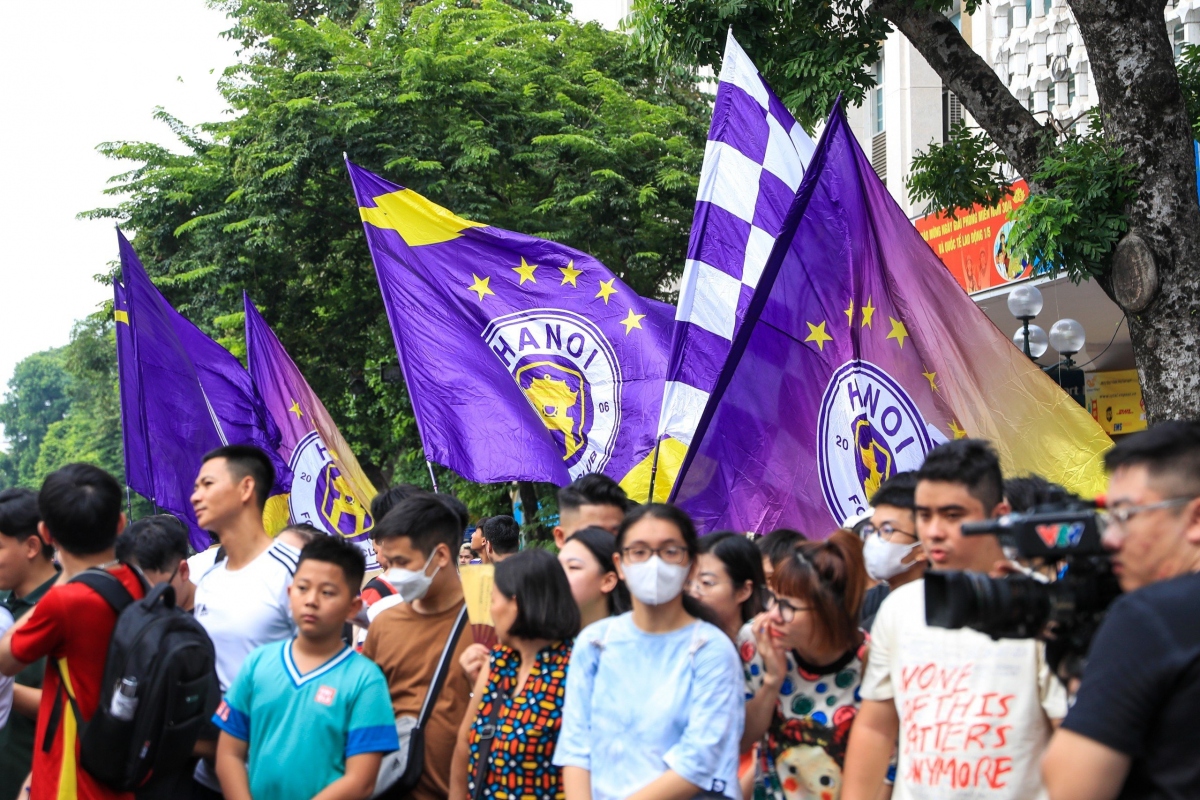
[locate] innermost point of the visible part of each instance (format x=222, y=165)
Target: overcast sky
x=78, y=73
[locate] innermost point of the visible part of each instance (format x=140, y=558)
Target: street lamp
x=1025, y=303
x=1067, y=337
x=1032, y=339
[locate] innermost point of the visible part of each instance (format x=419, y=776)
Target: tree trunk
x=527, y=491
x=1144, y=112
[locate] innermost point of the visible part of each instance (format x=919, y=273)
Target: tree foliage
x=507, y=113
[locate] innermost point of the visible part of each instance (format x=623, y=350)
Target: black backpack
x=171, y=657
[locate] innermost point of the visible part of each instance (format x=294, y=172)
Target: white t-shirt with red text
x=974, y=712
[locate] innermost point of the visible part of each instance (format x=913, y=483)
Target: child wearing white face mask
x=421, y=636
x=653, y=709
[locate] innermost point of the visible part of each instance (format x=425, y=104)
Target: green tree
x=1117, y=204
x=507, y=113
x=38, y=397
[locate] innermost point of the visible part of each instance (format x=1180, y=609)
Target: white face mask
x=884, y=559
x=655, y=582
x=410, y=584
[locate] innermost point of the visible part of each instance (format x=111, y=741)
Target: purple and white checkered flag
x=753, y=163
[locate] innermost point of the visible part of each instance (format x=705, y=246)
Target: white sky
x=78, y=73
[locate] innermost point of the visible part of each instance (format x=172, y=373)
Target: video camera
x=1064, y=613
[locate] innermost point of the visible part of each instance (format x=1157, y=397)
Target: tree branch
x=1010, y=125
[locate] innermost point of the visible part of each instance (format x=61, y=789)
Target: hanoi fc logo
x=868, y=430
x=569, y=373
x=321, y=495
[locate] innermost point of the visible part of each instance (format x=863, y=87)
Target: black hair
x=1168, y=450
x=603, y=545
x=246, y=459
x=897, y=491
x=19, y=517
x=81, y=505
x=967, y=462
x=155, y=543
x=306, y=531
x=1034, y=490
x=389, y=498
x=742, y=562
x=779, y=543
x=340, y=552
x=503, y=534
x=545, y=607
x=424, y=519
x=687, y=529
x=593, y=489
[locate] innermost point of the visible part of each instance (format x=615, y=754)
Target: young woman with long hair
x=729, y=580
x=587, y=558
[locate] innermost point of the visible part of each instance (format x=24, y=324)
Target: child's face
x=321, y=599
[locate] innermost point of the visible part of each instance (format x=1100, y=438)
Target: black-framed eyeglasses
x=787, y=611
x=886, y=531
x=671, y=553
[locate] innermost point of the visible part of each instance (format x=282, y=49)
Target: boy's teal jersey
x=302, y=728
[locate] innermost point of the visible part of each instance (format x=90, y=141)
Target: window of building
x=1177, y=41
x=1050, y=95
x=1071, y=89
x=877, y=125
x=952, y=112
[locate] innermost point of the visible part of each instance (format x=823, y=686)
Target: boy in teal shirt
x=308, y=717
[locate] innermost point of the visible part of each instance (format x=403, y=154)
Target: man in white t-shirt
x=242, y=589
x=972, y=715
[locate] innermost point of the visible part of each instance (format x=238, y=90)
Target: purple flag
x=182, y=394
x=859, y=353
x=525, y=359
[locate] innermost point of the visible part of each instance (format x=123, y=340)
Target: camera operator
x=1133, y=730
x=972, y=714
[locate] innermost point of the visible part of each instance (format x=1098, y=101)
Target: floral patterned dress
x=527, y=726
x=802, y=754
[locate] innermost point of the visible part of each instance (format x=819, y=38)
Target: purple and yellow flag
x=182, y=395
x=329, y=489
x=859, y=353
x=525, y=359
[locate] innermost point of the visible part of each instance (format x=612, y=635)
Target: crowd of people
x=633, y=659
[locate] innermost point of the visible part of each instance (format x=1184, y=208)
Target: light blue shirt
x=639, y=704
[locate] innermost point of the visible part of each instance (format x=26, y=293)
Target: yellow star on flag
x=606, y=290
x=570, y=274
x=931, y=377
x=295, y=409
x=898, y=331
x=480, y=286
x=816, y=333
x=632, y=321
x=849, y=312
x=867, y=312
x=956, y=431
x=525, y=271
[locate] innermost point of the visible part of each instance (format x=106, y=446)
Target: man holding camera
x=972, y=715
x=1133, y=732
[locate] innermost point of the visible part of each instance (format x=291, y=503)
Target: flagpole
x=653, y=472
x=432, y=477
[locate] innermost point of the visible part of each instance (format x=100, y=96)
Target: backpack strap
x=443, y=667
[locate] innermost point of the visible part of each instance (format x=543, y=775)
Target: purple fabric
x=538, y=380
x=182, y=394
x=797, y=434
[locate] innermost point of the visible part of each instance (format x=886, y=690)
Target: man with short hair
x=501, y=537
x=80, y=506
x=592, y=500
x=1132, y=729
x=241, y=599
x=891, y=550
x=27, y=571
x=972, y=714
x=158, y=546
x=420, y=539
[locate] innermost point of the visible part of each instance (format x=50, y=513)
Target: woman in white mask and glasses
x=653, y=708
x=891, y=551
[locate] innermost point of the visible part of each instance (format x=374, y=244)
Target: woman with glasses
x=892, y=553
x=804, y=658
x=729, y=580
x=653, y=708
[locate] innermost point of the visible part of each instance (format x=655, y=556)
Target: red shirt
x=72, y=626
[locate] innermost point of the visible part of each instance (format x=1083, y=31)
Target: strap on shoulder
x=108, y=586
x=443, y=667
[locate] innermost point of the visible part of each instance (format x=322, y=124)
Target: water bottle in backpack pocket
x=158, y=690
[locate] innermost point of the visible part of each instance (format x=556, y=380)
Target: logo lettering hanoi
x=568, y=371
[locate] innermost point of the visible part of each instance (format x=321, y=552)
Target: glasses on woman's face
x=888, y=533
x=787, y=611
x=638, y=553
